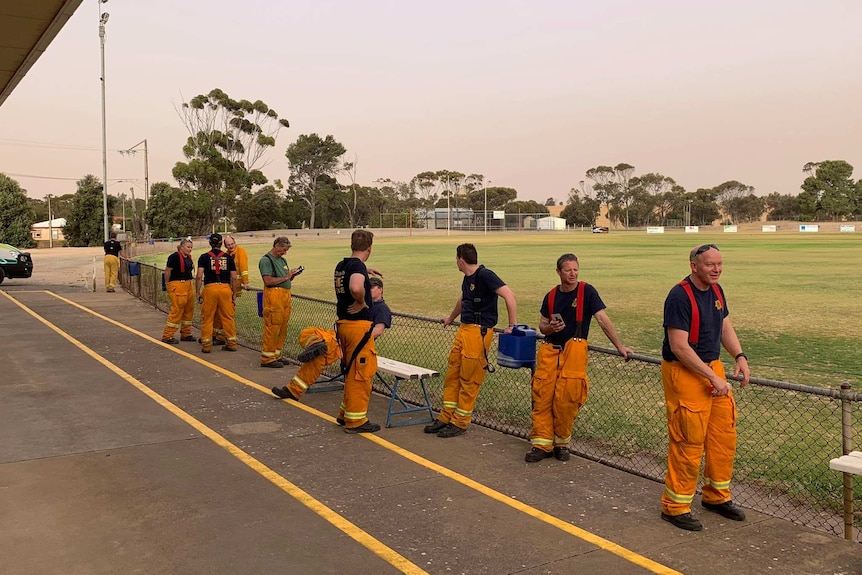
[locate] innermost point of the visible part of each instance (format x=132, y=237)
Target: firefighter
x=217, y=273
x=700, y=408
x=240, y=260
x=277, y=277
x=560, y=384
x=179, y=275
x=468, y=359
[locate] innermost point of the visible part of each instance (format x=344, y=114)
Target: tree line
x=221, y=185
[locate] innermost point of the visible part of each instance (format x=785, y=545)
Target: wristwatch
x=740, y=354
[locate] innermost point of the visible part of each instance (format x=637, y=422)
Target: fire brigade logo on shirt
x=472, y=287
x=717, y=305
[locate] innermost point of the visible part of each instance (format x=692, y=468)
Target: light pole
x=103, y=19
x=132, y=151
x=50, y=224
x=485, y=185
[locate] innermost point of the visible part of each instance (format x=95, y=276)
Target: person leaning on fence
x=560, y=384
x=277, y=277
x=468, y=359
x=113, y=251
x=354, y=328
x=700, y=408
x=217, y=272
x=240, y=260
x=179, y=278
x=320, y=347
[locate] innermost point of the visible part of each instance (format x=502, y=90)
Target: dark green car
x=14, y=263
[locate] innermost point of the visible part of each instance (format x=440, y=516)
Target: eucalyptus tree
x=311, y=158
x=226, y=149
x=829, y=192
x=731, y=197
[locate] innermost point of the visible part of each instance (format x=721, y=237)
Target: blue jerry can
x=260, y=304
x=517, y=349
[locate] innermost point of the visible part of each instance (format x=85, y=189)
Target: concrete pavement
x=120, y=454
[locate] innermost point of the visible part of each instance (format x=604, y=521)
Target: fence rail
x=787, y=432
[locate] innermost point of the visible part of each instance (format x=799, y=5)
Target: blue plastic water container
x=134, y=269
x=260, y=304
x=517, y=349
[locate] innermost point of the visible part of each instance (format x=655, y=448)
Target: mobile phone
x=556, y=317
x=298, y=271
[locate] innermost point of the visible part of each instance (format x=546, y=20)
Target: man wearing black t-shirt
x=468, y=359
x=699, y=404
x=179, y=278
x=113, y=251
x=560, y=384
x=217, y=273
x=354, y=327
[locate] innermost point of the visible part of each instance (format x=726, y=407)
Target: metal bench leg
x=405, y=408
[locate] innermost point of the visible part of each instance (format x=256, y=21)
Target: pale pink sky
x=530, y=93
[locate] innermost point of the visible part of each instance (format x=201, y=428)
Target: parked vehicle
x=14, y=263
x=601, y=230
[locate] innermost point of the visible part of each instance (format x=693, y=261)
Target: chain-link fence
x=788, y=432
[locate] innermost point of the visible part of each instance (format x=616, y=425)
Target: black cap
x=215, y=239
x=375, y=282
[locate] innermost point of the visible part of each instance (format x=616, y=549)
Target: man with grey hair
x=277, y=278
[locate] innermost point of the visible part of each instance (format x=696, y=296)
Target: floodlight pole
x=103, y=19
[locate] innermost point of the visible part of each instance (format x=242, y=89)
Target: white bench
x=405, y=371
x=850, y=463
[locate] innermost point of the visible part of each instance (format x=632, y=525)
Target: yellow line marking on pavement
x=582, y=534
x=362, y=537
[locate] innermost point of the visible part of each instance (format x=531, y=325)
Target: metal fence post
x=847, y=447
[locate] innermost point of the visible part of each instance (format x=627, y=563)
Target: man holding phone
x=560, y=384
x=277, y=278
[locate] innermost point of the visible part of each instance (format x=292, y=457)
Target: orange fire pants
x=465, y=375
x=560, y=389
x=276, y=313
x=217, y=303
x=357, y=380
x=697, y=423
x=112, y=271
x=182, y=309
x=310, y=371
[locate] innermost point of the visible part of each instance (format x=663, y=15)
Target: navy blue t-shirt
x=222, y=262
x=344, y=299
x=566, y=304
x=380, y=313
x=181, y=267
x=479, y=297
x=677, y=314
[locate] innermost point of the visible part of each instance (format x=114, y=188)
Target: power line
x=32, y=144
x=64, y=179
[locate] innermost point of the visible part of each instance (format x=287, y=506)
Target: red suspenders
x=579, y=311
x=694, y=331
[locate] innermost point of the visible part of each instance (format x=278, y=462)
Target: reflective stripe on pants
x=357, y=381
x=276, y=314
x=182, y=309
x=698, y=424
x=560, y=387
x=465, y=374
x=217, y=302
